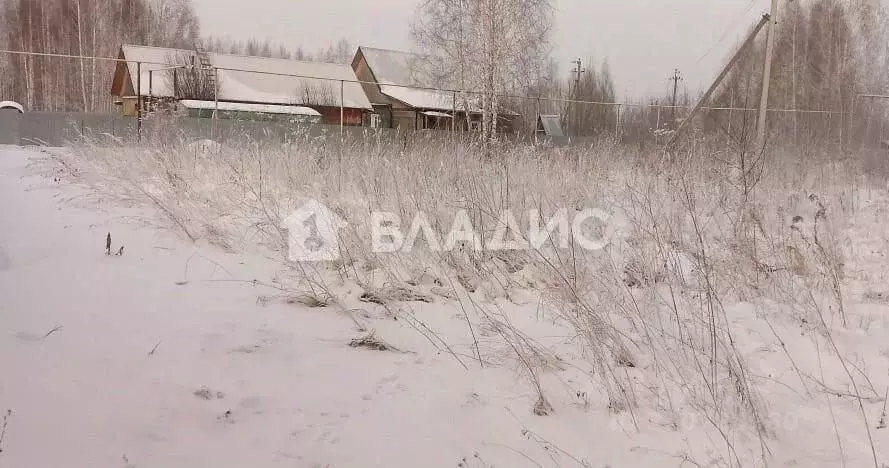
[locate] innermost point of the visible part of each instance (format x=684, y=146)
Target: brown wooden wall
x=331, y=115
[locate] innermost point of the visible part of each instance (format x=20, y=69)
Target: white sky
x=643, y=40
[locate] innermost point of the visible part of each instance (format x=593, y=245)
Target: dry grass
x=693, y=234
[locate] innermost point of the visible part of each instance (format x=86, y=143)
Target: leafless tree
x=86, y=28
x=493, y=46
x=341, y=52
x=320, y=93
x=172, y=22
x=189, y=80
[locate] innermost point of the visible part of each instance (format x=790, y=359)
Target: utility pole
x=766, y=78
x=577, y=71
x=676, y=78
x=747, y=43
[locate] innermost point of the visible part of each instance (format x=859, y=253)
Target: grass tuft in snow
x=373, y=342
x=3, y=427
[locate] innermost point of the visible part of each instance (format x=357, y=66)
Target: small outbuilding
x=550, y=125
x=255, y=112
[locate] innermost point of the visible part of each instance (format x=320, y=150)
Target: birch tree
x=486, y=47
x=173, y=23
x=80, y=24
x=84, y=28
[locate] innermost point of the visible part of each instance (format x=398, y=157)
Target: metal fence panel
x=9, y=127
x=64, y=128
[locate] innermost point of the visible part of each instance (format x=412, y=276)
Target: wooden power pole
x=577, y=71
x=676, y=78
x=747, y=43
x=766, y=78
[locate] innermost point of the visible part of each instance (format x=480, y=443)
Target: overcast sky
x=643, y=40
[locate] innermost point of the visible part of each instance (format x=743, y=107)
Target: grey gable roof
x=395, y=72
x=391, y=67
x=241, y=83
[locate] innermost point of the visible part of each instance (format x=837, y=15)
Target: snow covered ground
x=176, y=354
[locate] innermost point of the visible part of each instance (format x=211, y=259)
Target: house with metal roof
x=236, y=85
x=400, y=100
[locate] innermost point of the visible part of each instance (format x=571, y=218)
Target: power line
x=440, y=90
x=728, y=30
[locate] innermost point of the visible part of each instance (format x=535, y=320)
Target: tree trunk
x=29, y=61
x=80, y=52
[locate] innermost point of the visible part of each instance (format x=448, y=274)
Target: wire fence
x=579, y=121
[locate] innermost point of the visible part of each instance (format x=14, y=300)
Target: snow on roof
x=392, y=67
x=242, y=83
x=264, y=108
x=436, y=114
x=395, y=69
x=420, y=98
x=12, y=105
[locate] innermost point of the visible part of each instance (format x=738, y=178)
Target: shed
x=550, y=125
x=240, y=111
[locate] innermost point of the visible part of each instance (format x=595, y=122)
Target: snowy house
x=390, y=82
x=237, y=85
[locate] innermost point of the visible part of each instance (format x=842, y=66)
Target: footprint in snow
x=389, y=385
x=474, y=400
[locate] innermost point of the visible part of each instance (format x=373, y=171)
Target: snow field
x=706, y=334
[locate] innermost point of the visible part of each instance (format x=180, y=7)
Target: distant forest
x=98, y=28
